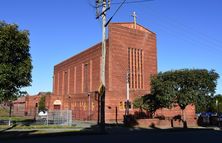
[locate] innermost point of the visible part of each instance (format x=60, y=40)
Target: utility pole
x=217, y=106
x=103, y=79
x=103, y=44
x=102, y=3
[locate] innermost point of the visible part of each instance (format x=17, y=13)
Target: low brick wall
x=166, y=123
x=147, y=122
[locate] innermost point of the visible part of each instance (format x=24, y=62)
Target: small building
x=28, y=105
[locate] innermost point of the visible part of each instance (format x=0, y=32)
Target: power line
x=189, y=32
x=115, y=13
x=115, y=3
x=132, y=2
x=90, y=4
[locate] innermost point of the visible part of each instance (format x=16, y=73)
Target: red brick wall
x=170, y=118
x=189, y=111
x=70, y=89
x=83, y=107
x=169, y=114
x=120, y=39
x=74, y=68
x=19, y=107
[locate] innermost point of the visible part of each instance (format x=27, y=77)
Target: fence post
x=47, y=118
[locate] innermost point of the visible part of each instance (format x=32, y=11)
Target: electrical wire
x=115, y=13
x=132, y=2
x=115, y=3
x=190, y=33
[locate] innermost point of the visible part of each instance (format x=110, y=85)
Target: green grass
x=20, y=126
x=39, y=127
x=18, y=119
x=35, y=130
x=41, y=132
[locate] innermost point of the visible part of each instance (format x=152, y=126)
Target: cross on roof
x=134, y=19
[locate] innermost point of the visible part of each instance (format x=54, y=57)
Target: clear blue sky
x=189, y=32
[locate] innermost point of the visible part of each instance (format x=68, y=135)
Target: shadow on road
x=129, y=134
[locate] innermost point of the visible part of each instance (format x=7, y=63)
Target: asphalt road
x=122, y=135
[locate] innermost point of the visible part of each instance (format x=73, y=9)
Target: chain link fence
x=56, y=117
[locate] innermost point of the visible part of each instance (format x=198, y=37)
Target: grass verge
x=16, y=119
x=39, y=127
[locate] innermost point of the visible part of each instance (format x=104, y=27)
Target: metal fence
x=56, y=117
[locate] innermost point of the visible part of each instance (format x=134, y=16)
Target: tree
x=143, y=103
x=214, y=104
x=15, y=61
x=138, y=103
x=203, y=103
x=183, y=87
x=146, y=103
x=163, y=92
x=42, y=104
x=218, y=103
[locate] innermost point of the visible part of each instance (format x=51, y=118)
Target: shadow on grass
x=26, y=122
x=9, y=128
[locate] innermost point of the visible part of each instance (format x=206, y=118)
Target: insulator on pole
x=97, y=8
x=109, y=2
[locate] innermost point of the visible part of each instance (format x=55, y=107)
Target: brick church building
x=77, y=79
x=131, y=50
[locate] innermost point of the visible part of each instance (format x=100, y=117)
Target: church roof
x=131, y=26
x=124, y=24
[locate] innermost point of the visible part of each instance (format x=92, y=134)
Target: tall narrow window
x=56, y=83
x=68, y=86
x=138, y=58
x=141, y=63
x=71, y=80
x=135, y=68
x=132, y=65
x=128, y=70
x=135, y=76
x=86, y=76
x=60, y=82
x=65, y=83
x=128, y=59
x=74, y=80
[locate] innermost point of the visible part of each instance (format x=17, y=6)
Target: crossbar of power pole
x=102, y=13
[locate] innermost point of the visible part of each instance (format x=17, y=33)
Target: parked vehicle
x=209, y=119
